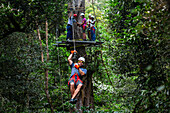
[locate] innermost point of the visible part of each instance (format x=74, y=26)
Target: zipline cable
x=74, y=55
x=73, y=24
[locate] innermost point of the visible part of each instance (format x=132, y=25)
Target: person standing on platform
x=69, y=26
x=83, y=25
x=88, y=27
x=93, y=29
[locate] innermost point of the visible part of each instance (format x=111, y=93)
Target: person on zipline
x=77, y=71
x=71, y=20
x=83, y=25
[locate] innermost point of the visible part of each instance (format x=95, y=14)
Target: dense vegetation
x=131, y=69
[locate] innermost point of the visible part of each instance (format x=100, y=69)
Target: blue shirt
x=74, y=70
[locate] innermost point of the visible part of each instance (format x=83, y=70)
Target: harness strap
x=78, y=79
x=84, y=27
x=73, y=78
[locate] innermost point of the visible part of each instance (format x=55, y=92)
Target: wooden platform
x=70, y=43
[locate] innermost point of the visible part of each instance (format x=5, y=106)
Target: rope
x=74, y=55
x=73, y=25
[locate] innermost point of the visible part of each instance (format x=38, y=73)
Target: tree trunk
x=46, y=70
x=39, y=36
x=42, y=59
x=77, y=7
x=85, y=97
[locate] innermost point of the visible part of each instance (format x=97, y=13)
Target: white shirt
x=92, y=23
x=71, y=20
x=88, y=21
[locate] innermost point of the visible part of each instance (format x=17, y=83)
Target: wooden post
x=85, y=96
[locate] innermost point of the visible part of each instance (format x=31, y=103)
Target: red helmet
x=75, y=15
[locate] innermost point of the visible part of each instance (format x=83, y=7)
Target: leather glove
x=73, y=51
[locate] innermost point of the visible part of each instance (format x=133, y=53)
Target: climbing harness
x=73, y=78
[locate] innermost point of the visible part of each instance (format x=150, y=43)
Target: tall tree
x=85, y=97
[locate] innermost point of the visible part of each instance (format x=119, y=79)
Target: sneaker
x=73, y=101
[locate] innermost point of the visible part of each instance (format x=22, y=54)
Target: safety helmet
x=82, y=14
x=82, y=59
x=92, y=16
x=89, y=14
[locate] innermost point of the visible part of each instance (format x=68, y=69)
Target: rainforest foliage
x=131, y=68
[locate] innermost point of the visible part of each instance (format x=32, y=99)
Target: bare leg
x=84, y=35
x=76, y=91
x=72, y=89
x=89, y=35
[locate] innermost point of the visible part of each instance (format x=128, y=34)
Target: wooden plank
x=82, y=42
x=70, y=43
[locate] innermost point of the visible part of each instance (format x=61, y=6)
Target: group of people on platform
x=85, y=24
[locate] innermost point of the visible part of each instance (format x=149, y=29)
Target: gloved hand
x=76, y=66
x=73, y=51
